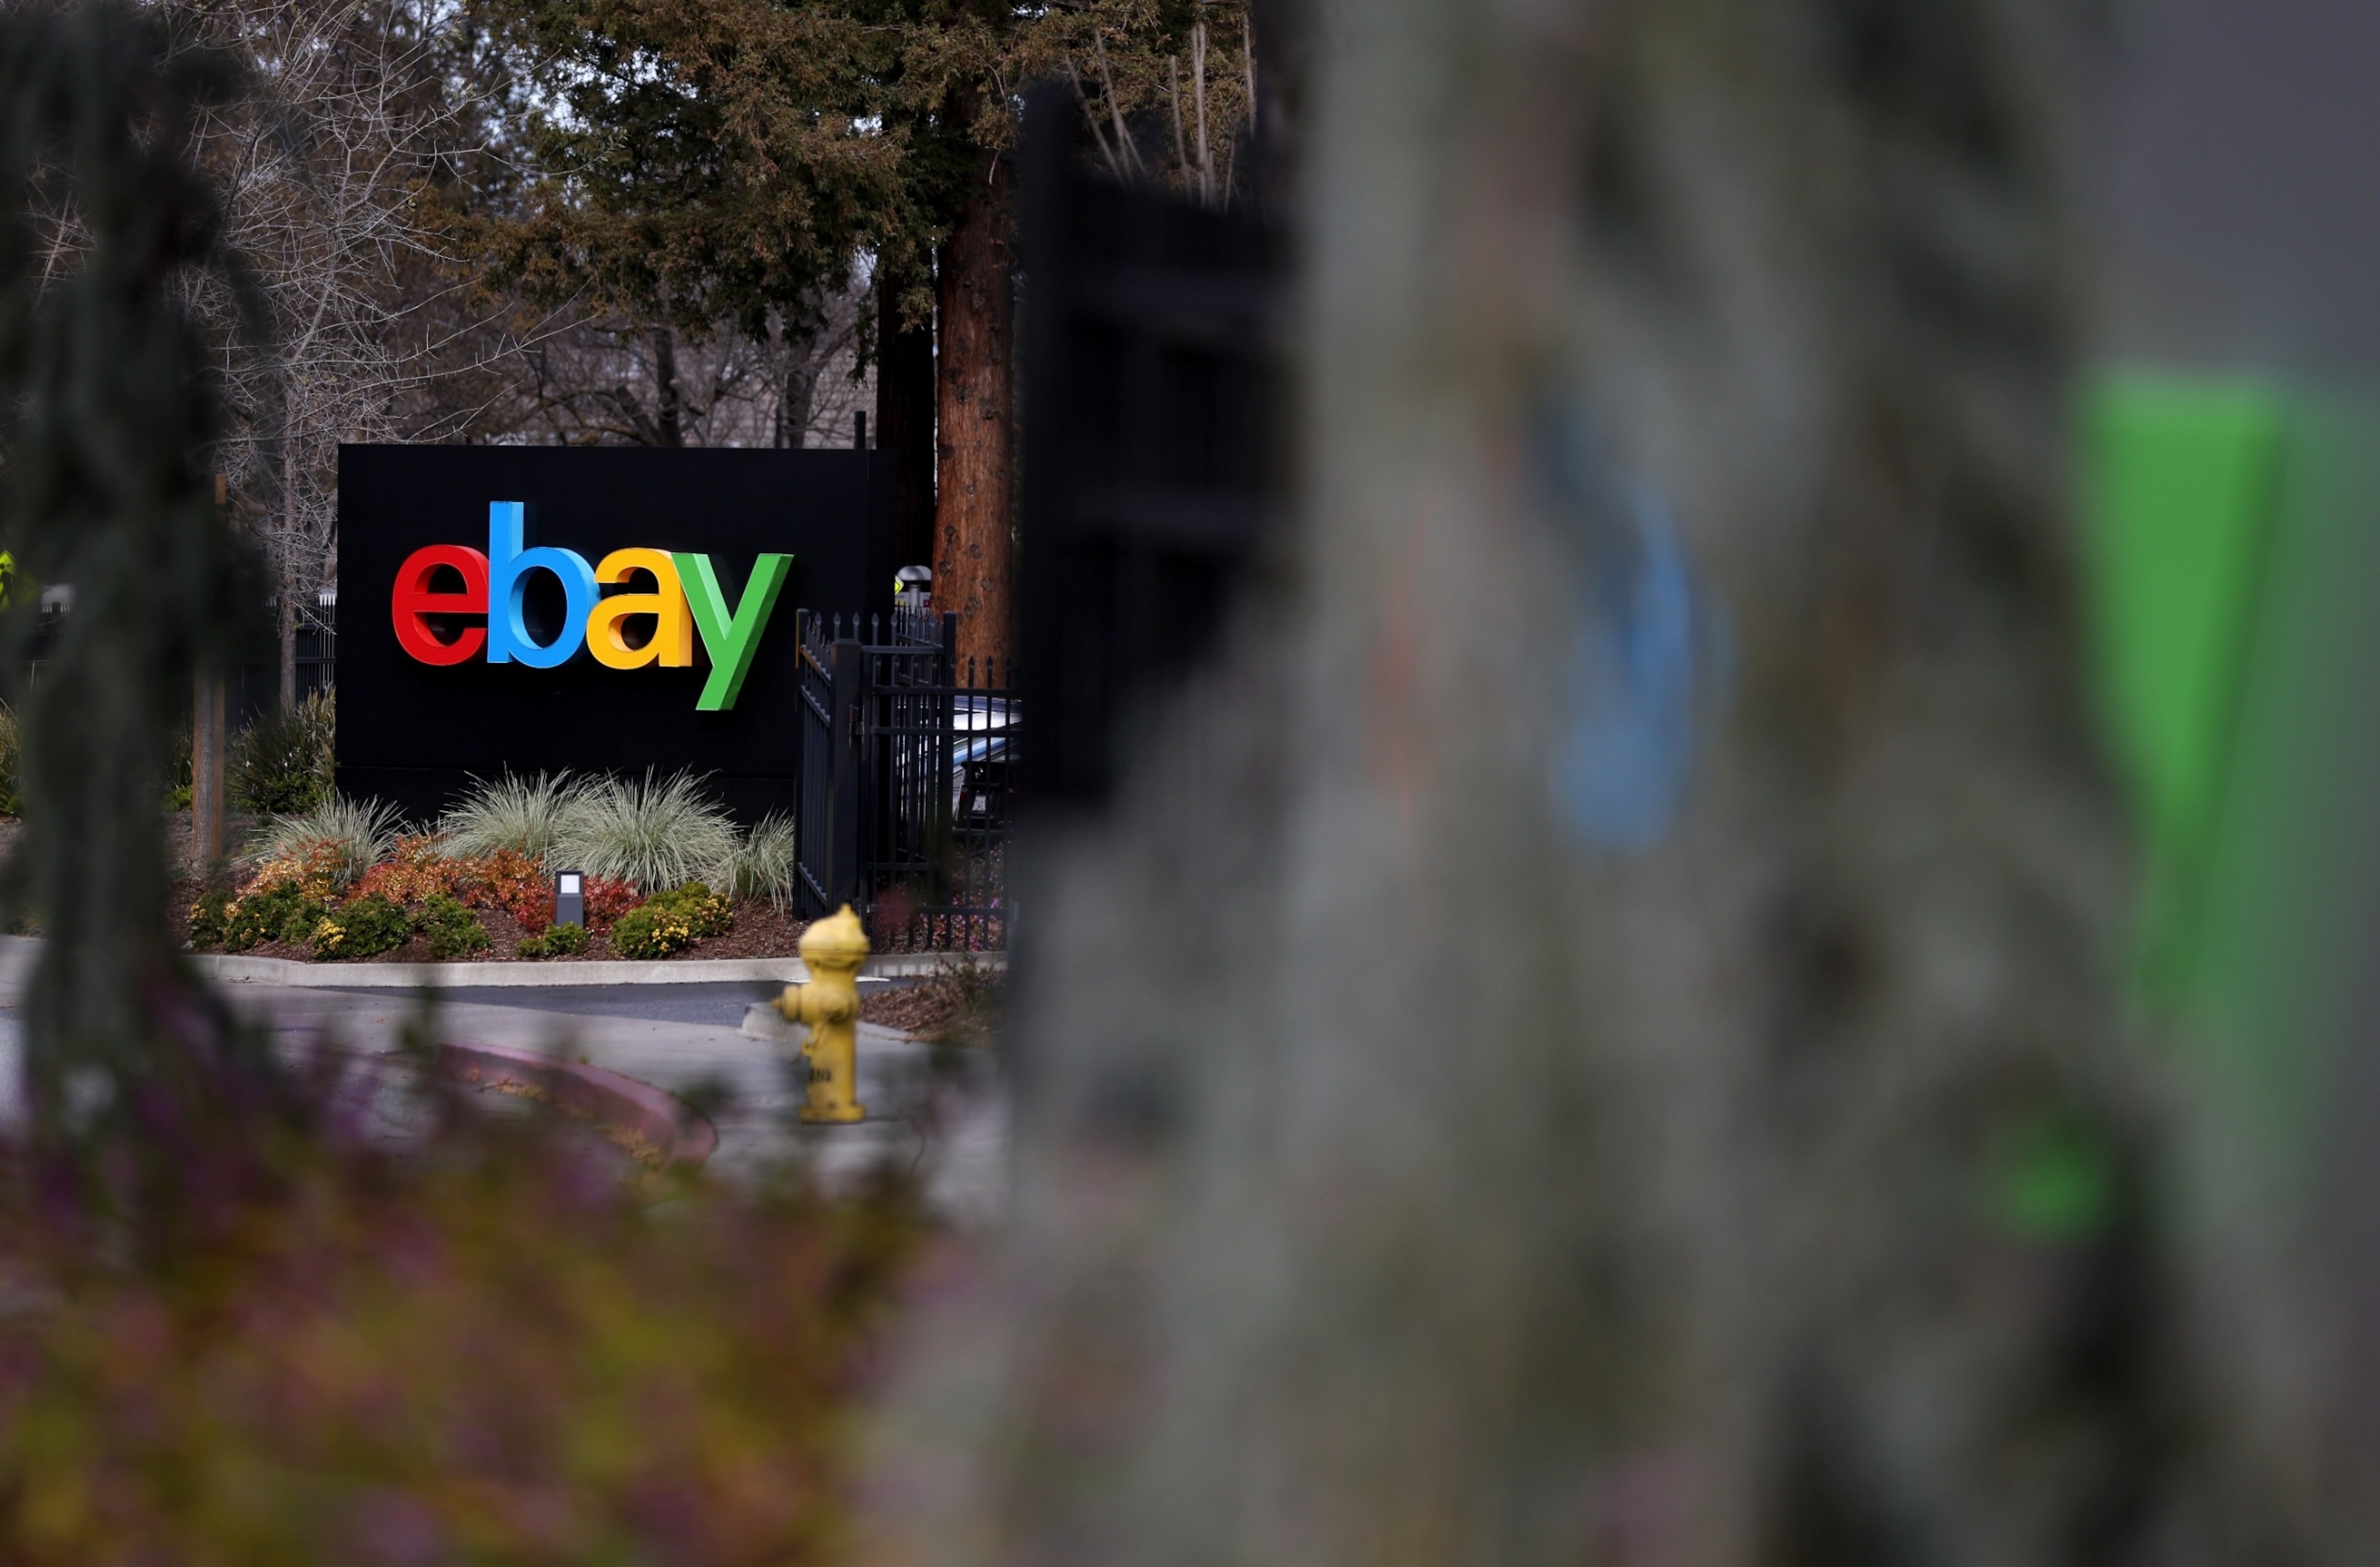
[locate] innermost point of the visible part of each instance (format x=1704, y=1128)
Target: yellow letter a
x=673, y=639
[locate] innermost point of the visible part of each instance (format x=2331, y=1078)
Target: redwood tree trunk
x=974, y=423
x=904, y=417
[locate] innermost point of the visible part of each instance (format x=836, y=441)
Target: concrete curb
x=231, y=969
x=665, y=1129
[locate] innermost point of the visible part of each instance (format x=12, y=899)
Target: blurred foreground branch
x=108, y=408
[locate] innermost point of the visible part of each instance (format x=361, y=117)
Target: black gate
x=908, y=763
x=1152, y=449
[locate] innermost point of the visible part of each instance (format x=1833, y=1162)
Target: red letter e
x=413, y=599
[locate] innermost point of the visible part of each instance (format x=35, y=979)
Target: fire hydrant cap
x=837, y=942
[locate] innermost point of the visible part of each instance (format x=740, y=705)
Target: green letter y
x=730, y=641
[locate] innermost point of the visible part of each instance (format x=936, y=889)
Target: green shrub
x=765, y=863
x=282, y=912
x=346, y=837
x=668, y=923
x=284, y=763
x=709, y=913
x=364, y=927
x=210, y=917
x=558, y=941
x=518, y=814
x=651, y=930
x=656, y=834
x=454, y=930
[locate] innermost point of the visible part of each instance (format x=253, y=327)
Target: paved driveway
x=946, y=1120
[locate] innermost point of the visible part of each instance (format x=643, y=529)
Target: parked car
x=983, y=776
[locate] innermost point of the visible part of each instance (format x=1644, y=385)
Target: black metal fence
x=257, y=687
x=908, y=769
x=253, y=685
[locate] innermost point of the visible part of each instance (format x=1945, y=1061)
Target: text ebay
x=686, y=600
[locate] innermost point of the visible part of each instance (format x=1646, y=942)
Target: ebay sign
x=678, y=591
x=612, y=610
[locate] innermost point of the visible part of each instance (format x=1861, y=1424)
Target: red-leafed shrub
x=413, y=872
x=510, y=881
x=606, y=901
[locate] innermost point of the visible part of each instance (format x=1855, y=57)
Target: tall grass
x=657, y=834
x=509, y=812
x=358, y=832
x=765, y=863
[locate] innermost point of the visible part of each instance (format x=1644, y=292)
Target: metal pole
x=850, y=672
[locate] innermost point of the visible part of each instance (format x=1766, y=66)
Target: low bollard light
x=570, y=898
x=833, y=949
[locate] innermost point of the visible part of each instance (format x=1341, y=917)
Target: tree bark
x=1558, y=1091
x=973, y=423
x=801, y=391
x=668, y=405
x=905, y=418
x=287, y=626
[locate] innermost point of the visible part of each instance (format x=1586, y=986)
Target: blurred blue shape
x=1638, y=651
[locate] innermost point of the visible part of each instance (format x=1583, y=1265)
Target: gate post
x=849, y=669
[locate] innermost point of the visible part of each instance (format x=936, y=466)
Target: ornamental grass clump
x=348, y=836
x=765, y=863
x=658, y=835
x=508, y=814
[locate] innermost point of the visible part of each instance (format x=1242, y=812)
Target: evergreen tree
x=708, y=161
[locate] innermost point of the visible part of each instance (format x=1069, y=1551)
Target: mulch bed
x=954, y=1006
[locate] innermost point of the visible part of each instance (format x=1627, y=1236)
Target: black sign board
x=434, y=690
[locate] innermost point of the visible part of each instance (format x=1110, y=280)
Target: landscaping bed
x=664, y=872
x=759, y=928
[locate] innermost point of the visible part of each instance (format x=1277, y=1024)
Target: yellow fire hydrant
x=833, y=949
